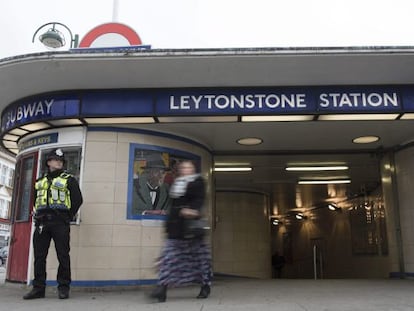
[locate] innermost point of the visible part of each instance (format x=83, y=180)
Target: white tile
x=99, y=172
x=100, y=151
x=126, y=235
x=95, y=235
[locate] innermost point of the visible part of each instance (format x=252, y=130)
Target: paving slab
x=230, y=294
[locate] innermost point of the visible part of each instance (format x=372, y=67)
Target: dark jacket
x=193, y=198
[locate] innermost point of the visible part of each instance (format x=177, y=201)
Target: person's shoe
x=63, y=293
x=204, y=292
x=35, y=293
x=160, y=293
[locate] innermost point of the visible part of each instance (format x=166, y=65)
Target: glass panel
x=25, y=190
x=10, y=177
x=3, y=209
x=3, y=174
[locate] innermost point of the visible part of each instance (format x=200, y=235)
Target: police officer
x=57, y=199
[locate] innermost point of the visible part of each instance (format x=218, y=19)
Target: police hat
x=56, y=154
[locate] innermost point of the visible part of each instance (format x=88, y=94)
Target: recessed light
x=277, y=118
x=365, y=139
x=324, y=182
x=317, y=168
x=232, y=169
x=357, y=117
x=249, y=141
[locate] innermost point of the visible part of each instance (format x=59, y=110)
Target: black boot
x=204, y=292
x=160, y=293
x=36, y=292
x=63, y=292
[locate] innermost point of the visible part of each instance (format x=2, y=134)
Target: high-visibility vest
x=54, y=194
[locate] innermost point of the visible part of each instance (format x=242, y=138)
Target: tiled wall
x=241, y=240
x=404, y=162
x=106, y=245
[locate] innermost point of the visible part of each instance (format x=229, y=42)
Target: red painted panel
x=19, y=252
x=22, y=206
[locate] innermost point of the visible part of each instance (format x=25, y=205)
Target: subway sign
x=211, y=102
x=39, y=109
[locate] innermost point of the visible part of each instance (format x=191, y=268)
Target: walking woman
x=184, y=260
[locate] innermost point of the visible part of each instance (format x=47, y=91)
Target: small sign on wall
x=38, y=141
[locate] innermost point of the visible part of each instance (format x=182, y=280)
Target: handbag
x=195, y=228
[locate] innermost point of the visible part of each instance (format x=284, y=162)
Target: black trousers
x=60, y=233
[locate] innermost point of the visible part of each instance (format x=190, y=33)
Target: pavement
x=229, y=294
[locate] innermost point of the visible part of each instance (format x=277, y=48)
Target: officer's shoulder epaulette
x=41, y=177
x=66, y=175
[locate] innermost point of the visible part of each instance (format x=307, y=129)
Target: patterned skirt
x=185, y=262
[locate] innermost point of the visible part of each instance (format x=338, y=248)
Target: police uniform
x=57, y=199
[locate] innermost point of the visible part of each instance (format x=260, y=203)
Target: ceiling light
x=317, y=168
x=357, y=117
x=277, y=118
x=333, y=207
x=323, y=182
x=18, y=131
x=35, y=126
x=64, y=122
x=232, y=169
x=9, y=144
x=231, y=163
x=276, y=222
x=11, y=137
x=365, y=139
x=300, y=216
x=123, y=120
x=196, y=119
x=407, y=116
x=249, y=141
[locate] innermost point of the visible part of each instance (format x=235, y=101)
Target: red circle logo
x=125, y=31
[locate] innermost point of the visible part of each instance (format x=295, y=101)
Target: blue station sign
x=28, y=111
x=212, y=102
x=278, y=101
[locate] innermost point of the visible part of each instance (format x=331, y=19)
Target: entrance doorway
x=341, y=221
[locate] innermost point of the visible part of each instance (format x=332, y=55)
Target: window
x=10, y=176
x=6, y=175
x=4, y=209
x=3, y=174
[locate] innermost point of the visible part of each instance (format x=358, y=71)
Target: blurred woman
x=184, y=260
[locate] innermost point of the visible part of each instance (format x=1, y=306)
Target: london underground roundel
x=110, y=34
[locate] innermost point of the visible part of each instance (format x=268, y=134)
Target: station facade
x=106, y=110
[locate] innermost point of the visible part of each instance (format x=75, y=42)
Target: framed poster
x=152, y=170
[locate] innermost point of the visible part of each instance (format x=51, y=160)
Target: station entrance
x=320, y=230
x=304, y=107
